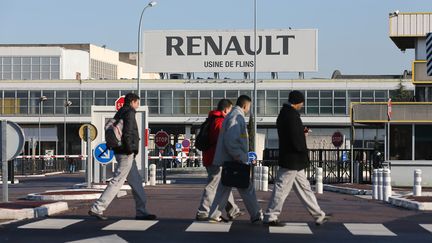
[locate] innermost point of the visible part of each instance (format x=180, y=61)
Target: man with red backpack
x=213, y=126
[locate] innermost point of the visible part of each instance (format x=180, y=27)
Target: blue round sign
x=102, y=154
x=252, y=156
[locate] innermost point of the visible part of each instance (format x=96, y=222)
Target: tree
x=401, y=94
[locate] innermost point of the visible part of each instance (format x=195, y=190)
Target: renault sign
x=230, y=51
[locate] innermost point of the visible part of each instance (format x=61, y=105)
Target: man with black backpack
x=208, y=138
x=125, y=153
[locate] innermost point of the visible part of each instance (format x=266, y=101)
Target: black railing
x=42, y=166
x=336, y=164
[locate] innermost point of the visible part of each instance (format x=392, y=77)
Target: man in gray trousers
x=233, y=146
x=127, y=168
x=293, y=159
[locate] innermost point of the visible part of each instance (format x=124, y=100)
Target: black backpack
x=202, y=141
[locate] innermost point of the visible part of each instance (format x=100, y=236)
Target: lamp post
x=255, y=100
x=41, y=100
x=150, y=4
x=66, y=105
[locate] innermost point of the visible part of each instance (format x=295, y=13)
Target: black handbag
x=235, y=174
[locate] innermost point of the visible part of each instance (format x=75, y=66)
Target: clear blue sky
x=353, y=35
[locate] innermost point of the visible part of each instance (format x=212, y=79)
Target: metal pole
x=39, y=128
x=255, y=79
x=64, y=132
x=89, y=158
x=4, y=161
x=139, y=52
x=352, y=147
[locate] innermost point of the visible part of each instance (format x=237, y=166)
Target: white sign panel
x=230, y=51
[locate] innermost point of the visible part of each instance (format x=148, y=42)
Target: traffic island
x=69, y=195
x=28, y=209
x=350, y=189
x=420, y=203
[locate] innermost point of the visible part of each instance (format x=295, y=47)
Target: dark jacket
x=130, y=138
x=293, y=152
x=216, y=121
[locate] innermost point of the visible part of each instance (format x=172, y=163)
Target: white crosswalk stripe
x=209, y=227
x=427, y=227
x=131, y=225
x=369, y=230
x=51, y=224
x=292, y=228
x=102, y=239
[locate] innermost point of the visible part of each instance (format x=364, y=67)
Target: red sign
x=120, y=102
x=161, y=139
x=337, y=139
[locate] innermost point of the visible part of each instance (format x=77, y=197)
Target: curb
x=345, y=190
x=409, y=204
x=29, y=213
x=58, y=197
x=16, y=181
x=40, y=175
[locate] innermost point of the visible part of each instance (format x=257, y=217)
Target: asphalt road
x=355, y=220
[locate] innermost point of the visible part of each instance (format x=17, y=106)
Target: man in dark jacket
x=127, y=168
x=293, y=160
x=214, y=171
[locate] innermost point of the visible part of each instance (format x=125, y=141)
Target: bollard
x=152, y=169
x=387, y=184
x=256, y=178
x=380, y=184
x=417, y=190
x=264, y=178
x=319, y=180
x=375, y=184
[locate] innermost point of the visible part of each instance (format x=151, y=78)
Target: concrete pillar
x=387, y=184
x=417, y=190
x=319, y=180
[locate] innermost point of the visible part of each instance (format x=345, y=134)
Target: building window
x=153, y=101
x=75, y=97
x=367, y=96
x=381, y=95
x=191, y=102
x=272, y=103
x=48, y=105
x=179, y=102
x=34, y=102
x=423, y=142
x=326, y=102
x=400, y=142
x=87, y=101
x=261, y=102
x=283, y=97
x=9, y=103
x=340, y=102
x=29, y=68
x=205, y=105
x=22, y=102
x=100, y=97
x=112, y=96
x=312, y=102
x=217, y=96
x=166, y=101
x=60, y=99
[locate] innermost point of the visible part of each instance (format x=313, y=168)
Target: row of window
x=29, y=68
x=103, y=70
x=181, y=102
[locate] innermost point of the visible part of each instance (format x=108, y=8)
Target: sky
x=353, y=35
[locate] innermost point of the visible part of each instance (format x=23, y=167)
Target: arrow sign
x=252, y=156
x=102, y=154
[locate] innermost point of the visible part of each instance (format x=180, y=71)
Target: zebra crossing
x=355, y=229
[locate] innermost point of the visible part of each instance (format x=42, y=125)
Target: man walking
x=233, y=146
x=216, y=119
x=293, y=159
x=127, y=168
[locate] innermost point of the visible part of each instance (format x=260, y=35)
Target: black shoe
x=146, y=217
x=97, y=215
x=323, y=219
x=199, y=217
x=275, y=223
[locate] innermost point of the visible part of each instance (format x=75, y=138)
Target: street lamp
x=150, y=4
x=41, y=100
x=66, y=105
x=255, y=100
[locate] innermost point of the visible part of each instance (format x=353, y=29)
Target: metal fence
x=42, y=166
x=336, y=164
